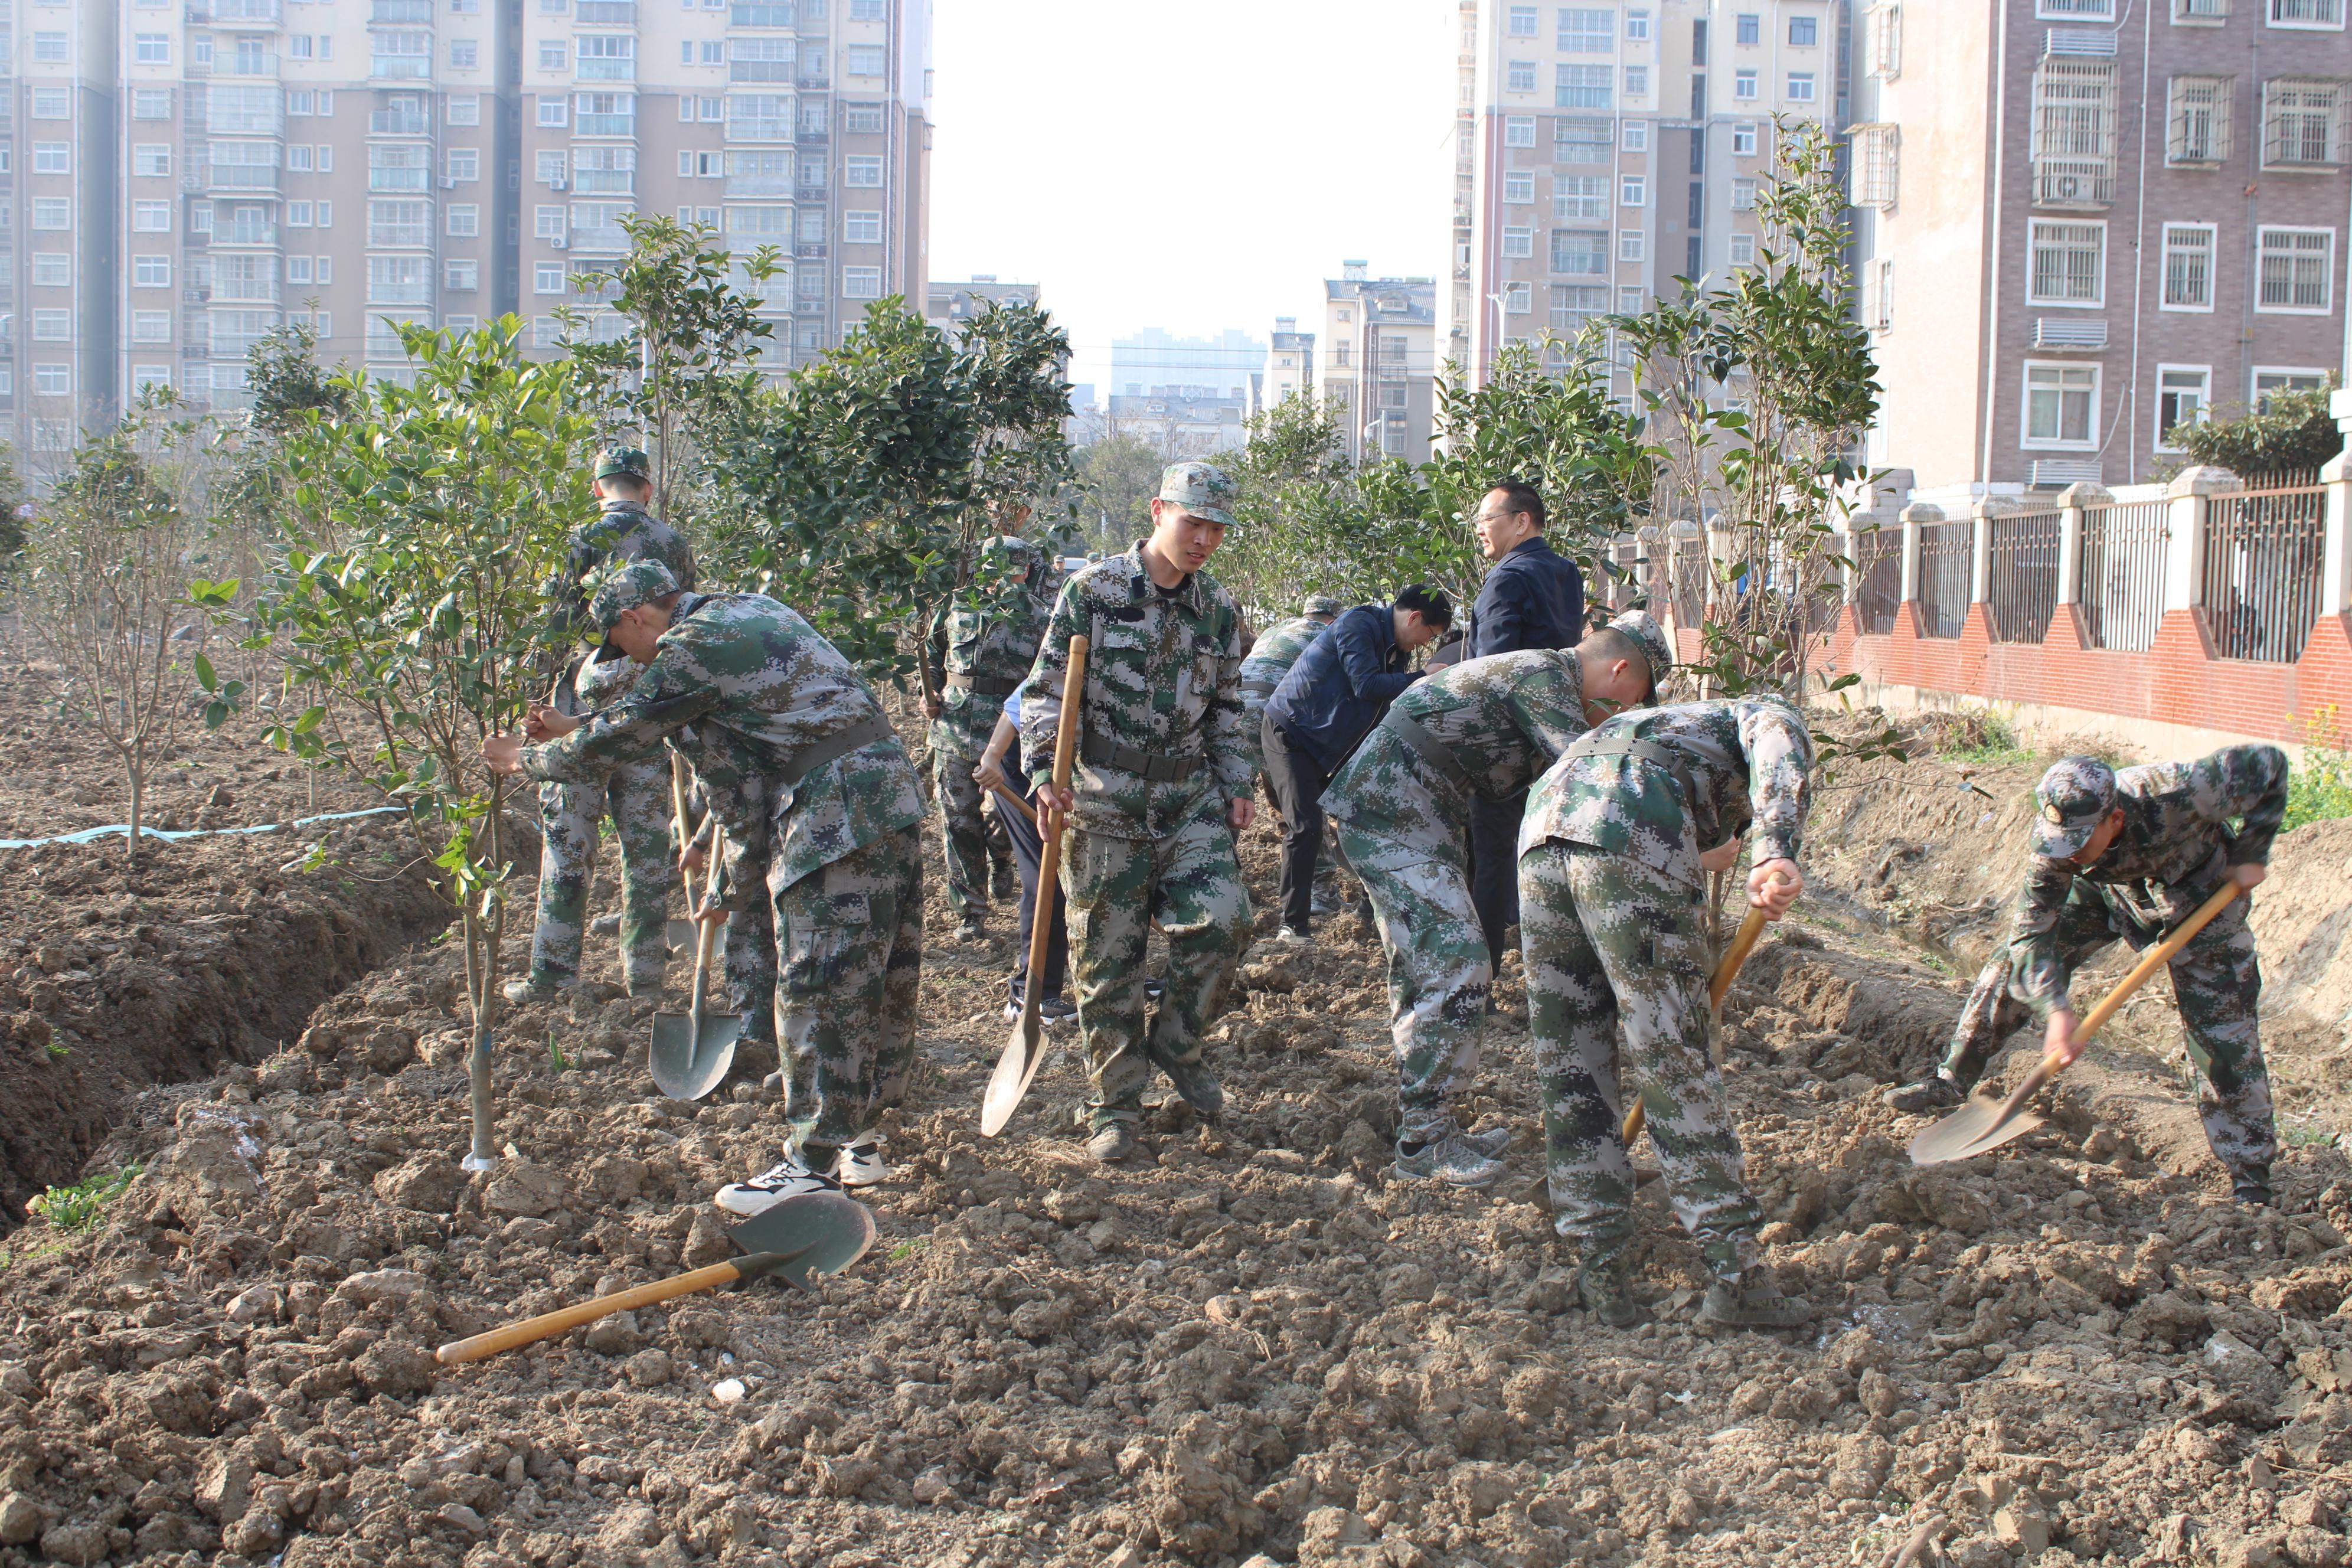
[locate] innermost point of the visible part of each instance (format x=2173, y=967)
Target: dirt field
x=1252, y=1342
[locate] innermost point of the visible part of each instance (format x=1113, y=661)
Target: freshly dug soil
x=1252, y=1342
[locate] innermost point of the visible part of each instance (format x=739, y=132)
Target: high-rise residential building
x=1289, y=362
x=949, y=302
x=1379, y=361
x=1613, y=148
x=193, y=174
x=2081, y=224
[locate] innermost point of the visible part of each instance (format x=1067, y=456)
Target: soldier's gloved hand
x=1773, y=886
x=2249, y=875
x=1721, y=858
x=2059, y=1038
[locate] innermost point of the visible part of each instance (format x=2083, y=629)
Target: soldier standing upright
x=1162, y=787
x=2132, y=854
x=1483, y=730
x=635, y=794
x=981, y=643
x=1614, y=858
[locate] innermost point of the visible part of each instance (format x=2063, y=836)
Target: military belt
x=1433, y=752
x=1107, y=753
x=833, y=747
x=1595, y=744
x=1259, y=688
x=975, y=685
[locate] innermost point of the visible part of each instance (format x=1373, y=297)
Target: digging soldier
x=1614, y=858
x=1161, y=786
x=981, y=643
x=636, y=792
x=1485, y=730
x=2130, y=855
x=796, y=756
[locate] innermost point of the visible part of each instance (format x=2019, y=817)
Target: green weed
x=57, y=1053
x=2319, y=788
x=555, y=1056
x=908, y=1249
x=1984, y=737
x=78, y=1207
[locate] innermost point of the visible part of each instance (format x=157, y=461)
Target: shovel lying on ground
x=1985, y=1123
x=692, y=1052
x=816, y=1233
x=1743, y=943
x=1025, y=1052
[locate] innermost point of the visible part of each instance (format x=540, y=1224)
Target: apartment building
x=1612, y=148
x=1379, y=361
x=1289, y=363
x=949, y=304
x=2084, y=224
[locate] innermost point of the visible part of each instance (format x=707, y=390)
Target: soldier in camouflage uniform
x=747, y=958
x=2131, y=854
x=1270, y=658
x=981, y=643
x=1613, y=856
x=1161, y=786
x=635, y=794
x=749, y=692
x=1483, y=729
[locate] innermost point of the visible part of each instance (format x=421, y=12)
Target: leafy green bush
x=79, y=1207
x=2320, y=786
x=2290, y=431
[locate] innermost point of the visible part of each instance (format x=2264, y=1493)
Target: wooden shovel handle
x=1743, y=943
x=1049, y=834
x=1005, y=796
x=564, y=1319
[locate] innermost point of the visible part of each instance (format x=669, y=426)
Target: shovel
x=691, y=1053
x=1984, y=1123
x=1743, y=943
x=1025, y=1052
x=681, y=937
x=815, y=1233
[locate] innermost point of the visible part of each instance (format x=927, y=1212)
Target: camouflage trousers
x=973, y=839
x=1613, y=946
x=849, y=958
x=636, y=797
x=2216, y=983
x=1439, y=976
x=748, y=962
x=1114, y=889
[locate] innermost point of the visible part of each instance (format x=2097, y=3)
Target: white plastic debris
x=729, y=1391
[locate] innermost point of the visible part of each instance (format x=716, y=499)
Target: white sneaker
x=788, y=1178
x=1290, y=936
x=862, y=1165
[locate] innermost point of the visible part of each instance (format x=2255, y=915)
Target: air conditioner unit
x=558, y=243
x=448, y=182
x=2068, y=186
x=557, y=184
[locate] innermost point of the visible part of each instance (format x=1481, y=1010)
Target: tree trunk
x=481, y=984
x=130, y=764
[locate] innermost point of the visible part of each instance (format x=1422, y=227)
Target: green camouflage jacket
x=758, y=686
x=1746, y=760
x=987, y=634
x=1502, y=718
x=2175, y=845
x=1270, y=658
x=1163, y=678
x=623, y=533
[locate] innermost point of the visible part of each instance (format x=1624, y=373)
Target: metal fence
x=2123, y=573
x=1946, y=552
x=2024, y=572
x=1878, y=578
x=2262, y=572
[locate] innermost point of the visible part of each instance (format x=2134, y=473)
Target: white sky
x=1192, y=167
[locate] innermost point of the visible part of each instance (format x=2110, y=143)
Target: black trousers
x=1027, y=847
x=1298, y=784
x=1495, y=867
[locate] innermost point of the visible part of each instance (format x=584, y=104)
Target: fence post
x=1914, y=516
x=2335, y=551
x=1981, y=549
x=2072, y=501
x=2184, y=532
x=1850, y=574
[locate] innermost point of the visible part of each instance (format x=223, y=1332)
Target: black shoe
x=1056, y=1010
x=1933, y=1093
x=1113, y=1139
x=1002, y=885
x=2252, y=1186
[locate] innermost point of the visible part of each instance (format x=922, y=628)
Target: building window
x=1580, y=87
x=607, y=57
x=762, y=59
x=1748, y=30
x=146, y=103
x=1743, y=85
x=297, y=215
x=1518, y=130
x=2069, y=264
x=2296, y=271
x=52, y=270
x=1518, y=298
x=550, y=168
x=1887, y=41
x=2188, y=266
x=326, y=220
x=52, y=380
x=553, y=111
x=152, y=49
x=1580, y=195
x=1519, y=241
x=2079, y=10
x=861, y=282
x=1800, y=87
x=2183, y=397
x=1743, y=250
x=1637, y=26
x=53, y=326
x=1632, y=190
x=400, y=54
x=57, y=103
x=2270, y=381
x=553, y=57
x=1743, y=139
x=143, y=376
x=146, y=218
x=465, y=221
x=151, y=326
x=1585, y=30
x=547, y=278
x=1518, y=187
x=464, y=163
x=865, y=60
x=301, y=101
x=1804, y=32
x=866, y=118
x=1575, y=304
x=1637, y=81
x=1631, y=245
x=1580, y=252
x=2302, y=122
x=547, y=223
x=298, y=270
x=2074, y=135
x=1580, y=141
x=2061, y=405
x=150, y=271
x=861, y=227
x=399, y=223
x=1519, y=75
x=1874, y=166
x=606, y=113
x=56, y=213
x=299, y=158
x=51, y=49
x=1743, y=195
x=1523, y=21
x=2198, y=120
x=2307, y=13
x=861, y=173
x=1635, y=136
x=52, y=157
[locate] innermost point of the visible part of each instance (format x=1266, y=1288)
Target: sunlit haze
x=1194, y=168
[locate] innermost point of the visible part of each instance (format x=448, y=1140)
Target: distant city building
x=1289, y=362
x=950, y=301
x=1379, y=361
x=1206, y=367
x=2152, y=227
x=1179, y=421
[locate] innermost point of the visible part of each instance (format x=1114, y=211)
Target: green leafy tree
x=2289, y=432
x=422, y=521
x=1116, y=478
x=15, y=512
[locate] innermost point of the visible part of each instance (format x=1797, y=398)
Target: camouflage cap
x=628, y=460
x=639, y=583
x=2075, y=796
x=1198, y=489
x=1321, y=605
x=1655, y=649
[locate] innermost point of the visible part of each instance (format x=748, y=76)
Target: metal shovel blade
x=680, y=938
x=690, y=1055
x=815, y=1233
x=1025, y=1053
x=1976, y=1128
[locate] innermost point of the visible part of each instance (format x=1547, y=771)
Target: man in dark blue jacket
x=1324, y=707
x=1533, y=597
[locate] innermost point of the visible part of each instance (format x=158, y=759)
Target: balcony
x=401, y=13
x=398, y=123
x=400, y=182
x=740, y=187
x=246, y=292
x=809, y=251
x=244, y=234
x=607, y=13
x=244, y=179
x=601, y=240
x=241, y=13
x=419, y=293
x=605, y=182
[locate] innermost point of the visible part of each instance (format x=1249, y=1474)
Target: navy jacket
x=1341, y=685
x=1533, y=597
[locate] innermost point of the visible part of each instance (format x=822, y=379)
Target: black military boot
x=2251, y=1185
x=1605, y=1290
